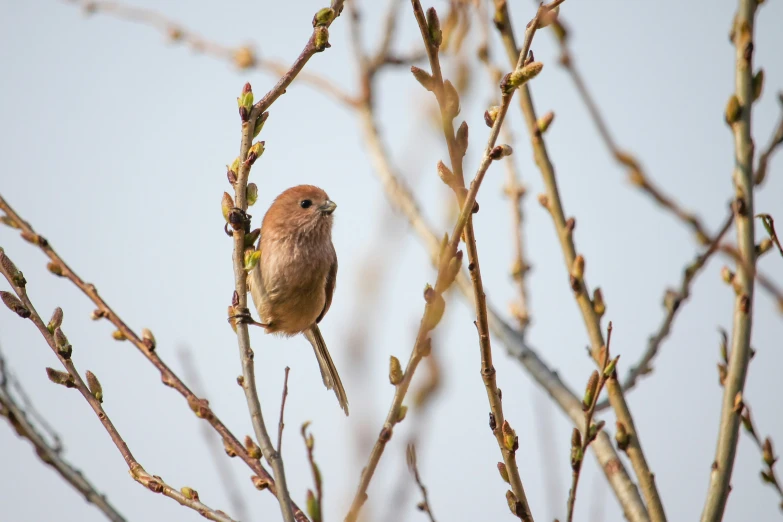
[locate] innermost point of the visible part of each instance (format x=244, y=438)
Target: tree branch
x=738, y=115
x=564, y=230
x=145, y=345
x=72, y=379
x=48, y=453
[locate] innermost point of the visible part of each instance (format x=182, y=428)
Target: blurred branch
x=775, y=141
x=280, y=425
x=673, y=301
x=403, y=200
x=575, y=264
x=253, y=118
x=768, y=475
x=145, y=344
x=242, y=57
x=211, y=439
x=424, y=505
x=640, y=179
x=314, y=501
x=93, y=394
x=448, y=269
x=738, y=116
x=50, y=454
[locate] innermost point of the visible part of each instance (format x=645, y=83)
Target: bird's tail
x=328, y=370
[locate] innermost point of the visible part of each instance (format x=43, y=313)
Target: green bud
x=252, y=257
x=252, y=448
x=251, y=237
x=590, y=391
x=545, y=121
x=63, y=346
x=610, y=368
x=395, y=371
x=226, y=204
x=401, y=415
x=519, y=77
x=312, y=507
x=94, y=386
x=190, y=493
x=252, y=194
x=56, y=320
x=257, y=129
x=324, y=17
x=321, y=41
x=622, y=437
x=510, y=440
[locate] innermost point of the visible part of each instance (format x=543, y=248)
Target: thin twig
x=580, y=442
x=280, y=425
x=775, y=141
x=187, y=497
x=768, y=475
x=318, y=42
x=146, y=346
x=739, y=358
x=564, y=230
x=212, y=440
x=244, y=57
x=49, y=454
x=424, y=505
x=637, y=174
x=673, y=302
x=314, y=501
x=401, y=197
x=432, y=314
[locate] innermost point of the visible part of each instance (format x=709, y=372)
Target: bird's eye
x=305, y=203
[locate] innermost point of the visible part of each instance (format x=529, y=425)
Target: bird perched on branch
x=293, y=283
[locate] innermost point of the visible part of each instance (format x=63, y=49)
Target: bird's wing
x=331, y=281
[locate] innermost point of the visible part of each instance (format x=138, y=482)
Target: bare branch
x=575, y=264
x=740, y=123
x=146, y=346
x=49, y=454
x=72, y=379
x=280, y=424
x=424, y=505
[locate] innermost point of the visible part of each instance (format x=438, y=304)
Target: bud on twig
x=733, y=110
x=503, y=472
x=433, y=312
x=433, y=27
x=63, y=346
x=395, y=371
x=56, y=320
x=226, y=204
x=622, y=437
x=252, y=194
x=446, y=176
x=500, y=151
x=14, y=304
x=252, y=237
x=252, y=448
x=321, y=41
x=118, y=335
x=590, y=391
x=324, y=17
x=519, y=77
x=148, y=339
x=94, y=386
x=576, y=450
x=423, y=77
x=402, y=413
x=758, y=84
x=510, y=440
x=55, y=268
x=544, y=122
x=255, y=152
x=490, y=115
x=62, y=378
x=189, y=493
x=17, y=278
x=451, y=107
x=252, y=257
x=462, y=138
x=599, y=307
x=260, y=124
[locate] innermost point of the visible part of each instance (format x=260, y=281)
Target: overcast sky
x=114, y=146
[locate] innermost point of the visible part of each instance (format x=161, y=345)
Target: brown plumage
x=293, y=283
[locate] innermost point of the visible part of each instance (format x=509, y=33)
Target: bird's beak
x=328, y=207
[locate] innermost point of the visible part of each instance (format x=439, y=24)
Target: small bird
x=293, y=283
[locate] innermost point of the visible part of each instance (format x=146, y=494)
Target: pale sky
x=114, y=146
